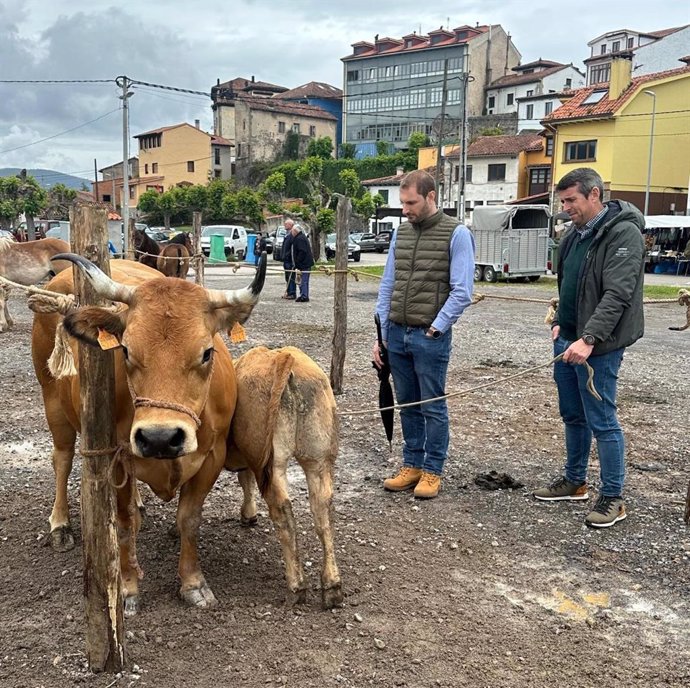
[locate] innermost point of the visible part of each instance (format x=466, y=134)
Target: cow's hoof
x=131, y=606
x=332, y=597
x=295, y=597
x=202, y=597
x=62, y=539
x=248, y=521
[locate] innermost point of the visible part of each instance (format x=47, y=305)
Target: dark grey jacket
x=609, y=286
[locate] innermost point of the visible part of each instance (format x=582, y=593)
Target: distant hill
x=48, y=178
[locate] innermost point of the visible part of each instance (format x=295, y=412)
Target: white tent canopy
x=666, y=221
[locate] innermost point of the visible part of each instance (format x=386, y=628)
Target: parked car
x=157, y=235
x=278, y=238
x=234, y=239
x=353, y=250
x=382, y=242
x=365, y=241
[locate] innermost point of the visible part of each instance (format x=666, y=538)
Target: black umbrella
x=385, y=390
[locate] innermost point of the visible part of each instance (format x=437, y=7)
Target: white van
x=234, y=238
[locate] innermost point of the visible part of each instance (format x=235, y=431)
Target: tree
x=348, y=150
x=33, y=201
x=10, y=203
x=169, y=202
x=272, y=192
x=60, y=198
x=320, y=148
x=318, y=197
x=491, y=131
x=382, y=147
x=291, y=146
x=351, y=183
x=148, y=203
x=417, y=140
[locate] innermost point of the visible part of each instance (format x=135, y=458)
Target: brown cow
x=27, y=263
x=175, y=397
x=285, y=408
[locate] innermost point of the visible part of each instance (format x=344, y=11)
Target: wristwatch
x=589, y=339
x=436, y=334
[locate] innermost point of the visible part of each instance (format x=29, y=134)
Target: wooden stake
x=340, y=294
x=199, y=256
x=102, y=583
x=131, y=253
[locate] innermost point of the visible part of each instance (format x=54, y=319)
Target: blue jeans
x=304, y=285
x=419, y=365
x=584, y=416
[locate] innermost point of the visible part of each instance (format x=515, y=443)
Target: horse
x=173, y=260
x=27, y=263
x=146, y=249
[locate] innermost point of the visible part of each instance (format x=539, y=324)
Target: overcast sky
x=191, y=45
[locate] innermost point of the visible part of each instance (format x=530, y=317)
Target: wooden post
x=131, y=253
x=198, y=260
x=340, y=294
x=102, y=583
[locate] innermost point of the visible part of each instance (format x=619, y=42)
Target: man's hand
x=555, y=331
x=578, y=352
x=376, y=355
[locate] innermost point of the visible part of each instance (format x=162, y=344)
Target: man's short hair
x=420, y=180
x=290, y=220
x=585, y=179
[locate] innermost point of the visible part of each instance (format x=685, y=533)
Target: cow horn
x=220, y=298
x=102, y=284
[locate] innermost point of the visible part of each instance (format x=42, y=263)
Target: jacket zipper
x=409, y=279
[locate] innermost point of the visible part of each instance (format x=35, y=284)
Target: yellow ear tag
x=237, y=333
x=106, y=340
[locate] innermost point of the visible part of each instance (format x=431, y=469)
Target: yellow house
x=181, y=154
x=613, y=127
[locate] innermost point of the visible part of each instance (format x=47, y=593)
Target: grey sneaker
x=562, y=490
x=606, y=512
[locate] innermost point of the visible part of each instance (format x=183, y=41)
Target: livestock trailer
x=511, y=241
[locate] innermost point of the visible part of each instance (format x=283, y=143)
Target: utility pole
x=123, y=81
x=95, y=179
x=463, y=151
x=444, y=98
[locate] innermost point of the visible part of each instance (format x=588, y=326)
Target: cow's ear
x=85, y=323
x=227, y=317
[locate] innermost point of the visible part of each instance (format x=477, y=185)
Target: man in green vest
x=427, y=284
x=600, y=280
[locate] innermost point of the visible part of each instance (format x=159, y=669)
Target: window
x=603, y=49
x=106, y=198
x=631, y=42
x=494, y=202
x=281, y=127
x=497, y=173
x=312, y=130
x=509, y=98
x=384, y=195
x=568, y=83
x=580, y=150
x=295, y=128
x=548, y=108
x=594, y=97
x=549, y=146
x=154, y=168
x=132, y=192
x=600, y=74
x=352, y=75
x=539, y=180
x=530, y=111
x=190, y=165
x=492, y=101
x=216, y=174
x=468, y=174
x=216, y=156
x=239, y=150
x=146, y=168
x=530, y=93
x=616, y=46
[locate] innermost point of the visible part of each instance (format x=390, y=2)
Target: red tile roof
x=241, y=84
x=488, y=146
x=389, y=46
x=665, y=32
x=286, y=107
x=314, y=89
x=515, y=79
x=574, y=109
x=220, y=141
x=537, y=63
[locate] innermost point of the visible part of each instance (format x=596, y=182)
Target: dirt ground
x=475, y=588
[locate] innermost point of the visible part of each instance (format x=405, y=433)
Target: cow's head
x=167, y=337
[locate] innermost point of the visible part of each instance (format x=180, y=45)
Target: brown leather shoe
x=407, y=477
x=428, y=486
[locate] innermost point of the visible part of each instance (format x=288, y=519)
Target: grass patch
x=660, y=291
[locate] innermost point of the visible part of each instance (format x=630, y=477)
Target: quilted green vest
x=422, y=270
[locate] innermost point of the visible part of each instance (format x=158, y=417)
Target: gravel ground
x=475, y=588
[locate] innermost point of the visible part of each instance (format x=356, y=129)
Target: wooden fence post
x=198, y=261
x=342, y=222
x=131, y=253
x=102, y=583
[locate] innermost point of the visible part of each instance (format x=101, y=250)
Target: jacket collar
x=428, y=221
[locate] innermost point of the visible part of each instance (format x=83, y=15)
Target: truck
x=511, y=241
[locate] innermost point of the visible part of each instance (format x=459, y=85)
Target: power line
x=61, y=133
x=170, y=88
x=57, y=81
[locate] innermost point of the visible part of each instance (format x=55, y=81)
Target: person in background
x=288, y=267
x=600, y=313
x=303, y=260
x=427, y=284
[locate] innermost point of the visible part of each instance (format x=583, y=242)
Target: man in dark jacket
x=288, y=267
x=302, y=259
x=600, y=281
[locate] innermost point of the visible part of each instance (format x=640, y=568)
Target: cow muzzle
x=162, y=441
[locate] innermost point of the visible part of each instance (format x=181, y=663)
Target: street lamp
x=651, y=148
